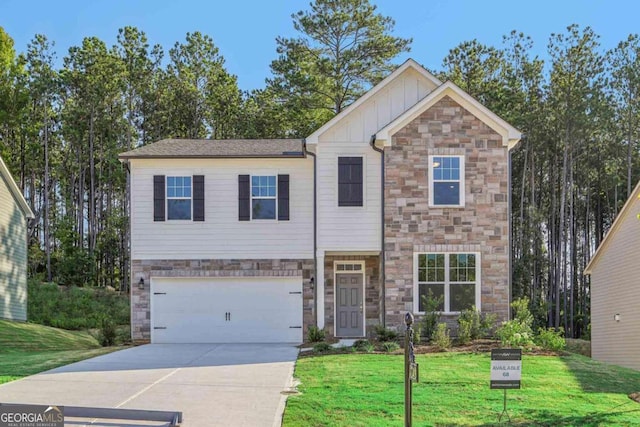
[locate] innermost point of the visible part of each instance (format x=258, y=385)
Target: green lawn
x=26, y=349
x=368, y=390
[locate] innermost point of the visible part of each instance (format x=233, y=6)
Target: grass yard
x=368, y=390
x=26, y=349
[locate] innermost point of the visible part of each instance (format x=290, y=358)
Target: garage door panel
x=226, y=310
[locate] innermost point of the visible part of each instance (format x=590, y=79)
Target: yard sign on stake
x=506, y=370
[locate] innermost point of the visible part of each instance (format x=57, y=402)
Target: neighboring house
x=14, y=214
x=257, y=240
x=615, y=290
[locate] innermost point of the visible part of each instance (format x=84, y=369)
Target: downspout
x=315, y=226
x=383, y=309
x=127, y=279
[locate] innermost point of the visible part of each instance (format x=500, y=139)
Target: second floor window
x=263, y=197
x=446, y=187
x=179, y=197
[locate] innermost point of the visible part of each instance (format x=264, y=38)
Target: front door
x=349, y=305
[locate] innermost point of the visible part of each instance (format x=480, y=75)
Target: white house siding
x=358, y=228
x=615, y=289
x=13, y=257
x=384, y=106
x=222, y=235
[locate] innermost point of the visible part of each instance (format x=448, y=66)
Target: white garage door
x=226, y=310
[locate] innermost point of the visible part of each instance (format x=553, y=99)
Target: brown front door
x=349, y=305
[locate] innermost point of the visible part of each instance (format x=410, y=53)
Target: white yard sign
x=506, y=368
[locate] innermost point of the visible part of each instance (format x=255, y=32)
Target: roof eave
x=13, y=188
x=267, y=156
x=635, y=194
x=510, y=135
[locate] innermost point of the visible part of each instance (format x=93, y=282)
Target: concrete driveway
x=212, y=384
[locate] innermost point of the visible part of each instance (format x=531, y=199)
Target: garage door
x=259, y=310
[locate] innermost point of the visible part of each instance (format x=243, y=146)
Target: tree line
x=62, y=128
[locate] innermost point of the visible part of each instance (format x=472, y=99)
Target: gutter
x=383, y=309
x=315, y=225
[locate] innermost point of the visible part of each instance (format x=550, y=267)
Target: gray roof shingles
x=218, y=148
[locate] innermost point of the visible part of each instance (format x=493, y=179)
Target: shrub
x=473, y=325
x=417, y=334
x=363, y=345
x=315, y=334
x=321, y=347
x=390, y=346
x=383, y=334
x=550, y=339
x=517, y=332
x=441, y=337
x=108, y=332
x=431, y=315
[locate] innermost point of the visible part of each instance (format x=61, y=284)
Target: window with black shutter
x=244, y=199
x=350, y=181
x=283, y=197
x=198, y=197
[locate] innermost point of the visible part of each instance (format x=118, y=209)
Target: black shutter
x=158, y=198
x=244, y=198
x=283, y=197
x=350, y=181
x=198, y=197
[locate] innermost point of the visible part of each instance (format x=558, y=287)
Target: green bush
x=473, y=325
x=431, y=315
x=550, y=339
x=315, y=334
x=322, y=347
x=390, y=346
x=383, y=334
x=517, y=332
x=441, y=338
x=363, y=345
x=108, y=332
x=75, y=308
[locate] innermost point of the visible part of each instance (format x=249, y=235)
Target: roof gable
x=15, y=191
x=408, y=64
x=622, y=215
x=510, y=135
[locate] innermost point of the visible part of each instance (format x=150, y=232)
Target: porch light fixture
x=141, y=283
x=311, y=282
x=616, y=317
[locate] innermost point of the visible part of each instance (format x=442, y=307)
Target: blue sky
x=245, y=31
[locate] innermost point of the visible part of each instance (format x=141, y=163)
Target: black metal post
x=408, y=361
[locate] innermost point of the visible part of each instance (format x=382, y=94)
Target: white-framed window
x=179, y=198
x=446, y=181
x=264, y=197
x=452, y=276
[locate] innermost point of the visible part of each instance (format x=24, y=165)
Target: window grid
x=263, y=197
x=447, y=181
x=447, y=273
x=179, y=193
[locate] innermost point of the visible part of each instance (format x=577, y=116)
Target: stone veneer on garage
x=372, y=291
x=140, y=310
x=412, y=226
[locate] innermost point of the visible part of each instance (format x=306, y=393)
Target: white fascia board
x=510, y=135
x=15, y=190
x=409, y=63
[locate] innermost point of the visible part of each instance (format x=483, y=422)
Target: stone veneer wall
x=480, y=226
x=140, y=314
x=372, y=291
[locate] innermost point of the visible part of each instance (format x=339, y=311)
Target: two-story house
x=405, y=191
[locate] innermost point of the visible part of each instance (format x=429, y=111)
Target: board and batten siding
x=615, y=289
x=358, y=228
x=221, y=235
x=13, y=256
x=379, y=110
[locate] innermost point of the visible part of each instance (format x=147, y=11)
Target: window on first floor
x=446, y=185
x=179, y=197
x=454, y=278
